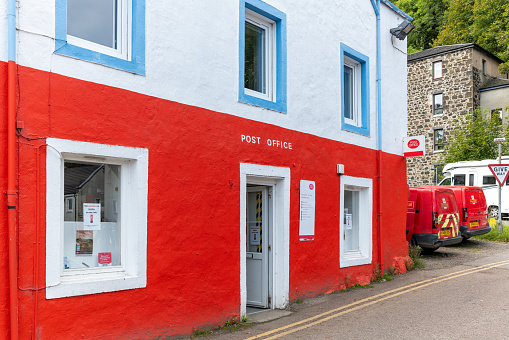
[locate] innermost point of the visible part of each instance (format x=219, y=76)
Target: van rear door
x=475, y=203
x=445, y=216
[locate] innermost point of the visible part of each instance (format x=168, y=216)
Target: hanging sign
x=348, y=221
x=500, y=171
x=307, y=211
x=92, y=216
x=413, y=146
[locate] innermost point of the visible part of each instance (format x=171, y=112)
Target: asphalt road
x=462, y=293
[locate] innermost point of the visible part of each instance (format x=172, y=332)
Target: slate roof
x=495, y=82
x=435, y=51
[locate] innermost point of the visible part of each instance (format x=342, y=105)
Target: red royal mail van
x=432, y=217
x=473, y=210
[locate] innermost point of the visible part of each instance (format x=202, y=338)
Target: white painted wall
x=192, y=58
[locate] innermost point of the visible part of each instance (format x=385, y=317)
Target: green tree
x=429, y=17
x=473, y=138
x=485, y=22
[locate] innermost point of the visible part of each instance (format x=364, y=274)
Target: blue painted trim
x=11, y=40
x=279, y=18
x=137, y=62
x=397, y=10
x=364, y=129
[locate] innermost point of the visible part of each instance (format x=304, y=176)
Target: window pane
x=254, y=63
x=489, y=180
x=459, y=179
x=437, y=69
x=348, y=92
x=438, y=139
x=351, y=206
x=93, y=20
x=92, y=228
x=438, y=104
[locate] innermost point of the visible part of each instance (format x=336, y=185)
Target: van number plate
x=474, y=224
x=445, y=232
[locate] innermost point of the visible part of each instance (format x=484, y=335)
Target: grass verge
x=496, y=235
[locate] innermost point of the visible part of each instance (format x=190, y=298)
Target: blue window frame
x=262, y=55
x=121, y=41
x=354, y=91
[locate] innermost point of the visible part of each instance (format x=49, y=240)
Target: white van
x=477, y=173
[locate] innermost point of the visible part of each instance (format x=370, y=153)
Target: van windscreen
x=475, y=199
x=446, y=202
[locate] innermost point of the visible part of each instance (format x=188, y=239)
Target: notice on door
x=92, y=216
x=307, y=211
x=348, y=221
x=254, y=235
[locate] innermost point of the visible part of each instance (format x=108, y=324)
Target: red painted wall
x=193, y=278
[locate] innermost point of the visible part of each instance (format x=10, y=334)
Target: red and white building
x=167, y=165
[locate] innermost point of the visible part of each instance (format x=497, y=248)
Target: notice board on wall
x=307, y=211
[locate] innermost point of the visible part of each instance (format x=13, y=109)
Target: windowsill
x=264, y=103
x=355, y=129
x=66, y=49
x=438, y=115
x=438, y=151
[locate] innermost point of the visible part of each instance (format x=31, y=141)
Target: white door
x=258, y=237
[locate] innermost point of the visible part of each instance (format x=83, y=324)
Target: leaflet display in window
x=93, y=227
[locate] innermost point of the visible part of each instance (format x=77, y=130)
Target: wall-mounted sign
x=413, y=146
x=273, y=143
x=92, y=216
x=307, y=211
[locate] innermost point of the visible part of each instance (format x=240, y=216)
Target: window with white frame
x=438, y=139
x=100, y=25
x=354, y=91
x=356, y=208
x=437, y=69
x=351, y=89
x=262, y=64
x=438, y=104
x=108, y=32
x=99, y=245
x=259, y=56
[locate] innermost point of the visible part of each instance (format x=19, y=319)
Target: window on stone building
x=437, y=69
x=438, y=173
x=438, y=104
x=438, y=139
x=484, y=66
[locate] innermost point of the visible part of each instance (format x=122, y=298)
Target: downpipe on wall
x=376, y=7
x=11, y=169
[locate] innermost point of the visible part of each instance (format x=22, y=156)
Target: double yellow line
x=334, y=313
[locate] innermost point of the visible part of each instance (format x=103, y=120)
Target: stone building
x=443, y=84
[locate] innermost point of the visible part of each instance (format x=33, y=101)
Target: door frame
x=278, y=178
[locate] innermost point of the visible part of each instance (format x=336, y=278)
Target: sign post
x=500, y=171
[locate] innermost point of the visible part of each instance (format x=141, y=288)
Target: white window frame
x=436, y=144
x=124, y=22
x=270, y=54
x=434, y=96
x=356, y=88
x=435, y=69
x=132, y=273
x=364, y=255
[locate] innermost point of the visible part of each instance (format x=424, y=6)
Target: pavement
x=460, y=294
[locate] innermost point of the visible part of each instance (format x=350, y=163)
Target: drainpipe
x=376, y=7
x=11, y=168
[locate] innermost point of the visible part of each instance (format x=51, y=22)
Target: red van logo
x=413, y=143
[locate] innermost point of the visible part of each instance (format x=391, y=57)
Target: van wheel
x=493, y=211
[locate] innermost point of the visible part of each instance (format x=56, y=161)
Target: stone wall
x=458, y=84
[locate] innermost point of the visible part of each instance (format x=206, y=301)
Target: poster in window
x=307, y=211
x=348, y=221
x=254, y=233
x=84, y=242
x=92, y=216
